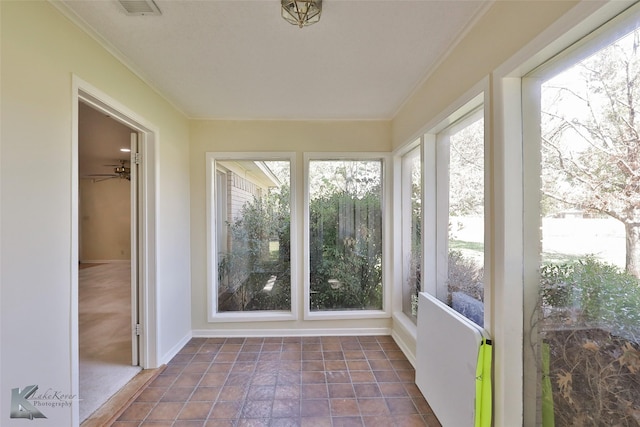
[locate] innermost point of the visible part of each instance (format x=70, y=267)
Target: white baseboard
x=175, y=349
x=259, y=333
x=405, y=335
x=411, y=357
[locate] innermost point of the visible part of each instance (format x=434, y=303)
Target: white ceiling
x=238, y=59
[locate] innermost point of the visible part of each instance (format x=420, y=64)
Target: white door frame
x=136, y=260
x=146, y=235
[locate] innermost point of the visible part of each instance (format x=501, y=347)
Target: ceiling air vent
x=140, y=7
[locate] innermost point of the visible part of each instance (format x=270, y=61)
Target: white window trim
x=435, y=187
x=404, y=198
x=386, y=240
x=469, y=113
x=519, y=408
x=530, y=86
x=467, y=102
x=212, y=276
x=403, y=325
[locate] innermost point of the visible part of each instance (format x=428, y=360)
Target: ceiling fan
x=120, y=170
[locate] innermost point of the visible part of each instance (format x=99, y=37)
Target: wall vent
x=140, y=7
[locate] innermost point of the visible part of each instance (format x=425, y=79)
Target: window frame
x=413, y=150
x=384, y=158
x=436, y=186
x=212, y=239
x=572, y=52
x=470, y=114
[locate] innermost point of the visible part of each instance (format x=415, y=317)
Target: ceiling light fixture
x=123, y=171
x=301, y=12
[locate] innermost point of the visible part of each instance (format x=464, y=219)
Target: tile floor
x=298, y=381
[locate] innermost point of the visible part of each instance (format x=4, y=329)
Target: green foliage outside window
x=346, y=252
x=590, y=292
x=259, y=252
x=589, y=323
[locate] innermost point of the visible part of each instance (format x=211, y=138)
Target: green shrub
x=594, y=293
x=244, y=270
x=464, y=276
x=345, y=251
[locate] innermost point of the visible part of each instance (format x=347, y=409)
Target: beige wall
x=41, y=52
x=252, y=136
x=105, y=220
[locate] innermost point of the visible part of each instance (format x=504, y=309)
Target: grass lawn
x=563, y=239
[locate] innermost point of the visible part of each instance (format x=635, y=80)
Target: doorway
x=108, y=290
x=142, y=249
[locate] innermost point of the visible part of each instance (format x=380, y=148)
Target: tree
x=466, y=171
x=590, y=143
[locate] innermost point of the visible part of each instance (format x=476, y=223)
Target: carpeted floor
x=104, y=294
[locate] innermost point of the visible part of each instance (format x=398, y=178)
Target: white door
x=136, y=329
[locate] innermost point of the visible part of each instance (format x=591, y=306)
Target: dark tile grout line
x=291, y=381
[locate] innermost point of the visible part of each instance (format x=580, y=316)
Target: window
x=345, y=235
x=411, y=211
x=587, y=319
x=460, y=216
x=251, y=244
